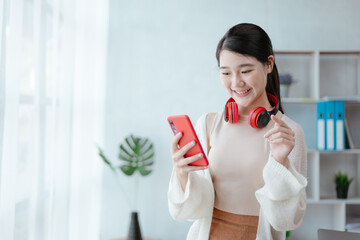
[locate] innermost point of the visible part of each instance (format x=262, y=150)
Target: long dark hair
x=250, y=39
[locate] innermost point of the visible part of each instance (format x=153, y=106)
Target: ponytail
x=273, y=85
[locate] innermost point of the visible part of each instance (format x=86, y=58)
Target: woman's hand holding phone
x=181, y=163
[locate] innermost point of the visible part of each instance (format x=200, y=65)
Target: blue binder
x=320, y=126
x=330, y=125
x=339, y=125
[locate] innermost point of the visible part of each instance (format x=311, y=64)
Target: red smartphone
x=182, y=123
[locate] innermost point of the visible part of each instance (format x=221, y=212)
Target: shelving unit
x=320, y=74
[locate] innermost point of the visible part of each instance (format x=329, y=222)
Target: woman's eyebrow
x=241, y=65
x=246, y=65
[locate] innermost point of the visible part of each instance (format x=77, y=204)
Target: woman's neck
x=262, y=101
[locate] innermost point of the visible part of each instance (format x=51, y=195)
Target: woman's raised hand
x=282, y=140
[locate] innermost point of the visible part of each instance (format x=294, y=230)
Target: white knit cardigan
x=282, y=199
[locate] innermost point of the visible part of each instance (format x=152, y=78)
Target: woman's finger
x=186, y=161
x=182, y=151
x=175, y=143
x=279, y=129
x=283, y=141
x=279, y=121
x=193, y=168
x=281, y=135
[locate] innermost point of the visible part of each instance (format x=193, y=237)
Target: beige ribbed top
x=237, y=156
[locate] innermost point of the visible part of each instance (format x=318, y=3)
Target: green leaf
x=144, y=143
x=150, y=156
x=125, y=151
x=148, y=149
x=132, y=144
x=138, y=154
x=125, y=158
x=128, y=170
x=148, y=164
x=342, y=180
x=143, y=171
x=101, y=154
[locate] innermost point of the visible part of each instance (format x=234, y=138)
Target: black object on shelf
x=134, y=229
x=342, y=192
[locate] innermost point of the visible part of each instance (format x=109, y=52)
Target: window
x=48, y=125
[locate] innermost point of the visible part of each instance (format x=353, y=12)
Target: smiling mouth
x=242, y=92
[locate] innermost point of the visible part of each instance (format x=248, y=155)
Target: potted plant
x=342, y=182
x=285, y=81
x=136, y=155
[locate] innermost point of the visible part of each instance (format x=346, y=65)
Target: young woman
x=254, y=186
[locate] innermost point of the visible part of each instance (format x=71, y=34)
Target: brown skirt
x=226, y=226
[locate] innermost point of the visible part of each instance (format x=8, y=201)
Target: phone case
x=182, y=123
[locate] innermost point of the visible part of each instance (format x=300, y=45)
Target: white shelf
x=335, y=74
x=350, y=200
x=346, y=151
x=298, y=100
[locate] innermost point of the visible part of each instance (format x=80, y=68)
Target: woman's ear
x=270, y=64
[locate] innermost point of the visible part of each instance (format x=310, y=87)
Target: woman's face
x=245, y=78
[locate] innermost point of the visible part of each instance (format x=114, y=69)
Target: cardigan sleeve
x=197, y=199
x=283, y=196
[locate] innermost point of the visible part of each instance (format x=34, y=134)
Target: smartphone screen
x=182, y=123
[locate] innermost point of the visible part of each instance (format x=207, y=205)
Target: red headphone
x=259, y=117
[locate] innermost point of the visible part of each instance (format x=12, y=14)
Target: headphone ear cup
x=231, y=113
x=259, y=117
x=235, y=112
x=263, y=119
x=226, y=117
x=256, y=118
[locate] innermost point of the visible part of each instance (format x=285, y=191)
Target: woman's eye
x=247, y=71
x=225, y=73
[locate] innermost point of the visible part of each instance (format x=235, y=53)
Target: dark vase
x=134, y=229
x=342, y=192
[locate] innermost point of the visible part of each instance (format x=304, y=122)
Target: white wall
x=162, y=62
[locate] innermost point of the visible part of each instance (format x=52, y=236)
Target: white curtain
x=52, y=84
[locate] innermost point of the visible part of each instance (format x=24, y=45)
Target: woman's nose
x=238, y=81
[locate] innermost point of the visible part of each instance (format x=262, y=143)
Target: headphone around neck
x=259, y=117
